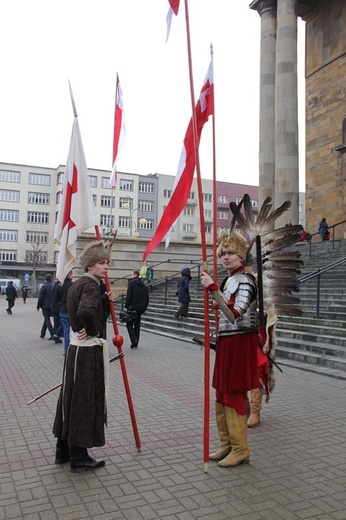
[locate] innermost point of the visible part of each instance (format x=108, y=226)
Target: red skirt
x=236, y=363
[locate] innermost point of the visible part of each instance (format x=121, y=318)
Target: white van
x=4, y=282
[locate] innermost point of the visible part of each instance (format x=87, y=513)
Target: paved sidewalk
x=297, y=468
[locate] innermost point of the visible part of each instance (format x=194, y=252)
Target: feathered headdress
x=277, y=269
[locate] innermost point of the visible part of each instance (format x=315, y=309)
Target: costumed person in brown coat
x=236, y=367
x=81, y=412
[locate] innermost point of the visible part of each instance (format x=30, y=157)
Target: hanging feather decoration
x=279, y=267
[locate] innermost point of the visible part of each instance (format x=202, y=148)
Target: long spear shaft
x=204, y=254
x=60, y=384
x=118, y=343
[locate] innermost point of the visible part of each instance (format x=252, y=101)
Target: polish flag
x=173, y=8
x=119, y=135
x=76, y=210
x=182, y=186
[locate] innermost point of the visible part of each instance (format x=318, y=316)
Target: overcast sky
x=46, y=43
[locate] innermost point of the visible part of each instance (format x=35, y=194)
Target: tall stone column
x=267, y=11
x=286, y=112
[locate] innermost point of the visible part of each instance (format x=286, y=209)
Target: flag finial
x=72, y=100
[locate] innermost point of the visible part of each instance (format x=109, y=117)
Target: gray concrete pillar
x=286, y=112
x=267, y=11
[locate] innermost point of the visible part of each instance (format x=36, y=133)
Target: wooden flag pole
x=204, y=257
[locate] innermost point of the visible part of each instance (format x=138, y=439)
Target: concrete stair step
x=311, y=358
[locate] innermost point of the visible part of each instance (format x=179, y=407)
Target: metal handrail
x=317, y=274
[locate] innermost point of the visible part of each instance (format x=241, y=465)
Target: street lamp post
x=142, y=220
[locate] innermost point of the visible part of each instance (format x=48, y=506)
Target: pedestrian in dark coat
x=137, y=299
x=55, y=308
x=183, y=293
x=11, y=295
x=25, y=290
x=323, y=229
x=44, y=302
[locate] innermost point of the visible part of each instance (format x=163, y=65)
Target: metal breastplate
x=244, y=289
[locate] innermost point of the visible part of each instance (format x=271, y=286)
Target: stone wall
x=325, y=113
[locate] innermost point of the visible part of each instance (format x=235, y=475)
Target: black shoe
x=62, y=454
x=8, y=311
x=56, y=339
x=49, y=339
x=41, y=336
x=134, y=345
x=80, y=464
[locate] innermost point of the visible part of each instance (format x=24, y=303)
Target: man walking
x=137, y=299
x=44, y=303
x=11, y=295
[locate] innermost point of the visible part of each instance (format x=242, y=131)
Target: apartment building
x=29, y=203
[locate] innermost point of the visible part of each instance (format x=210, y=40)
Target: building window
x=146, y=187
x=189, y=212
x=93, y=181
x=37, y=178
x=38, y=198
x=107, y=201
x=254, y=203
x=8, y=235
x=36, y=217
x=9, y=215
x=146, y=205
x=208, y=229
x=167, y=194
x=124, y=222
x=60, y=178
x=9, y=195
x=192, y=195
x=7, y=255
x=238, y=200
x=223, y=199
x=207, y=213
x=107, y=220
x=40, y=257
x=148, y=225
x=94, y=199
x=126, y=185
x=37, y=237
x=222, y=215
x=188, y=228
x=8, y=176
x=105, y=183
x=300, y=208
x=207, y=197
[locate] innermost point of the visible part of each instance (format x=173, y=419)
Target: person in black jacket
x=183, y=294
x=11, y=295
x=55, y=308
x=44, y=303
x=137, y=299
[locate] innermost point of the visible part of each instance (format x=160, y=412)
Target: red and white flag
x=173, y=8
x=182, y=186
x=119, y=135
x=76, y=210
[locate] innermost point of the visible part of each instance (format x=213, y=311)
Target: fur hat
x=231, y=243
x=93, y=253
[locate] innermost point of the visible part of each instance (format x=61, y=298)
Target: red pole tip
x=118, y=340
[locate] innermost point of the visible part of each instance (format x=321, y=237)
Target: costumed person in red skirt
x=236, y=364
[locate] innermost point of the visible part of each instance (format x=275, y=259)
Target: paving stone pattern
x=297, y=467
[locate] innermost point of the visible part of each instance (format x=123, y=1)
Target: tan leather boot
x=255, y=407
x=240, y=453
x=225, y=443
